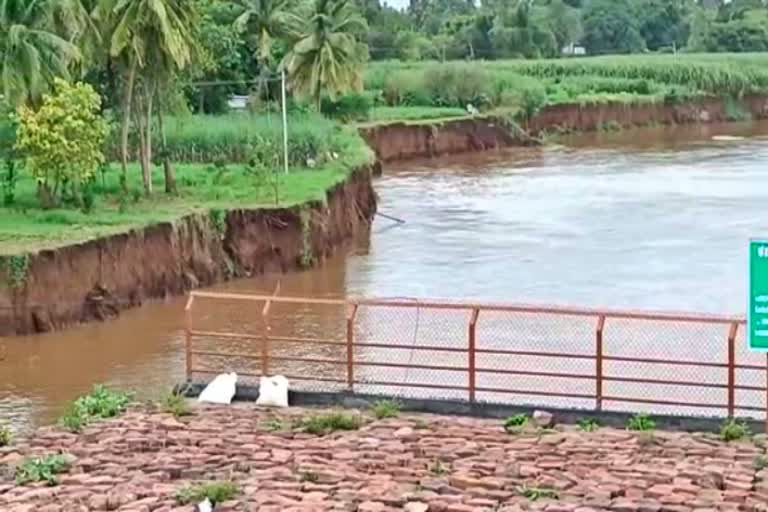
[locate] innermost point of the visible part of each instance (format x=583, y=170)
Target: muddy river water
x=654, y=218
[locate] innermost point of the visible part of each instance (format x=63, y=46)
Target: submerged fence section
x=603, y=360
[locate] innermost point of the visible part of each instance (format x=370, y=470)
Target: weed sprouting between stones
x=515, y=424
x=216, y=492
x=588, y=424
x=641, y=423
x=537, y=493
x=102, y=402
x=386, y=409
x=734, y=430
x=322, y=424
x=41, y=469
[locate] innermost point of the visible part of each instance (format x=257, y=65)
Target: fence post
x=599, y=363
x=732, y=369
x=188, y=334
x=351, y=314
x=471, y=354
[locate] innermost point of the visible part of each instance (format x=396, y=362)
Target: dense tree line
x=495, y=29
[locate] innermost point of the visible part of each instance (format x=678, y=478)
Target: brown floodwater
x=654, y=218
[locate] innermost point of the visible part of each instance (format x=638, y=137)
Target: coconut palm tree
x=267, y=20
x=151, y=39
x=328, y=55
x=32, y=54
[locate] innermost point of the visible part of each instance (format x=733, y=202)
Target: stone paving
x=417, y=463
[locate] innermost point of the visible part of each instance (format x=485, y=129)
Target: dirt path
x=415, y=462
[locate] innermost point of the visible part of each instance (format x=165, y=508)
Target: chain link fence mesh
x=545, y=359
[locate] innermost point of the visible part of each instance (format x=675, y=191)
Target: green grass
x=216, y=492
x=42, y=469
x=536, y=493
x=588, y=424
x=176, y=403
x=323, y=424
x=386, y=409
x=202, y=187
x=406, y=113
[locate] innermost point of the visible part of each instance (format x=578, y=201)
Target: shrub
x=516, y=423
x=43, y=469
x=62, y=141
x=73, y=419
x=734, y=430
x=588, y=424
x=6, y=435
x=322, y=424
x=760, y=462
x=406, y=88
x=216, y=492
x=640, y=423
x=386, y=409
x=350, y=107
x=458, y=84
x=532, y=100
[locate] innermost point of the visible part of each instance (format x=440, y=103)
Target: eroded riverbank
x=141, y=460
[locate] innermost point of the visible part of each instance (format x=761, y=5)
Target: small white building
x=573, y=49
x=237, y=102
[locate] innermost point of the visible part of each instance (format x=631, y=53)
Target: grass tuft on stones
x=641, y=423
x=386, y=409
x=309, y=476
x=734, y=430
x=102, y=402
x=6, y=435
x=537, y=493
x=42, y=469
x=323, y=424
x=516, y=423
x=216, y=492
x=760, y=462
x=274, y=424
x=176, y=404
x=588, y=424
x=437, y=468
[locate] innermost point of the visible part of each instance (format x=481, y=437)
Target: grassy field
x=202, y=187
x=379, y=114
x=530, y=84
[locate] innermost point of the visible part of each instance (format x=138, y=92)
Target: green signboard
x=757, y=314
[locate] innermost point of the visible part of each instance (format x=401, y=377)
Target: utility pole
x=285, y=124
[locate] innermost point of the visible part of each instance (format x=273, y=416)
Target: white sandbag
x=221, y=390
x=205, y=506
x=273, y=391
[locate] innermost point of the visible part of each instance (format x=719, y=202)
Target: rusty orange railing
x=598, y=359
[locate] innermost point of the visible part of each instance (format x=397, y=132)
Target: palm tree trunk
x=126, y=123
x=170, y=174
x=144, y=121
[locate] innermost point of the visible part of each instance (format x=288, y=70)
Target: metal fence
x=597, y=359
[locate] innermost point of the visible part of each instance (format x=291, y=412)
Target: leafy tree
x=32, y=54
x=611, y=26
x=62, y=141
x=328, y=55
x=664, y=23
x=564, y=22
x=517, y=33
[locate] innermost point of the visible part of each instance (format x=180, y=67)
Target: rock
x=543, y=419
x=416, y=506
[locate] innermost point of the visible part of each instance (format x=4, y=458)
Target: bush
x=386, y=409
x=641, y=423
x=734, y=430
x=323, y=424
x=216, y=492
x=351, y=107
x=42, y=469
x=406, y=88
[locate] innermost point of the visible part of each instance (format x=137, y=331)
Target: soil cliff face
x=403, y=141
x=95, y=280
